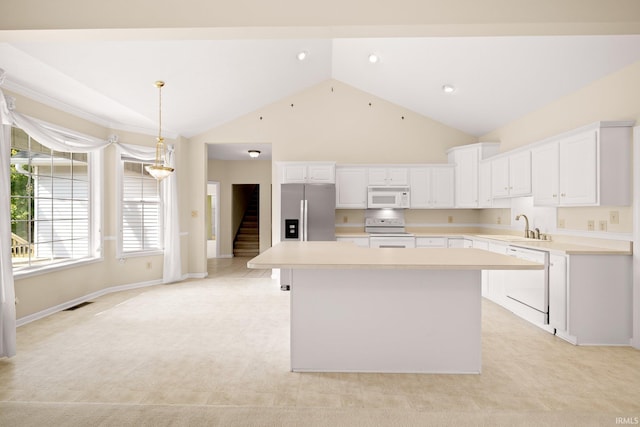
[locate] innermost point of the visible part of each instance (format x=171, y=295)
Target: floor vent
x=77, y=306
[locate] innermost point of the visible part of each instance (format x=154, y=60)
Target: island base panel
x=409, y=321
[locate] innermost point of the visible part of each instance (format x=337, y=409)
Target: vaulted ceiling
x=212, y=80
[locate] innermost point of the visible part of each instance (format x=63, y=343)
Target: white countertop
x=567, y=248
x=346, y=255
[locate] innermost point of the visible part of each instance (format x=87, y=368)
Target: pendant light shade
x=159, y=170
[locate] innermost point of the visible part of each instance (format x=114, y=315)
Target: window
x=141, y=208
x=51, y=204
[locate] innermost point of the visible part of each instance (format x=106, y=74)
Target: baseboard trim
x=52, y=310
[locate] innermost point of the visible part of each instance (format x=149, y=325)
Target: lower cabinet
x=358, y=241
x=599, y=300
x=558, y=292
x=431, y=242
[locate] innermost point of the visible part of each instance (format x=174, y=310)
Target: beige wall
x=328, y=122
x=614, y=97
x=228, y=173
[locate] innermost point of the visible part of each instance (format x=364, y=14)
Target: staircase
x=247, y=241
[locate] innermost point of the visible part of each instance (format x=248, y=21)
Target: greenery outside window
x=51, y=204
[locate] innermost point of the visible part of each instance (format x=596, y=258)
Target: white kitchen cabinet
x=558, y=292
x=432, y=187
x=599, y=300
x=431, y=242
x=466, y=160
x=388, y=176
x=459, y=242
x=485, y=200
x=362, y=242
x=511, y=175
x=351, y=187
x=308, y=173
x=494, y=288
x=545, y=179
x=590, y=166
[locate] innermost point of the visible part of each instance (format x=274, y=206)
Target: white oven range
x=388, y=232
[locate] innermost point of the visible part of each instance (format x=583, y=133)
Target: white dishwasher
x=528, y=290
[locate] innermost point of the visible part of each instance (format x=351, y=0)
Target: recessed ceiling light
x=254, y=153
x=448, y=89
x=373, y=58
x=302, y=55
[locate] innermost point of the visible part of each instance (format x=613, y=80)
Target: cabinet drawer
x=431, y=242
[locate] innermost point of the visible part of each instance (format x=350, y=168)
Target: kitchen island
x=359, y=309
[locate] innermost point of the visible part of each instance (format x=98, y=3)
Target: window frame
x=95, y=198
x=121, y=158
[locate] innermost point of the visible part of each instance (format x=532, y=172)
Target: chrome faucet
x=526, y=224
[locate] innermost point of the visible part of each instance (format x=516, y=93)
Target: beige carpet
x=216, y=352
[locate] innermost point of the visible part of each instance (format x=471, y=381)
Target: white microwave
x=387, y=197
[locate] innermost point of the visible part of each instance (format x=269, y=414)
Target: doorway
x=246, y=219
x=213, y=219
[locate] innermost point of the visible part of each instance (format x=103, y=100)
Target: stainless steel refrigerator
x=307, y=213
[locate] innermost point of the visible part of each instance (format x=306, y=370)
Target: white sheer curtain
x=63, y=142
x=7, y=296
x=172, y=266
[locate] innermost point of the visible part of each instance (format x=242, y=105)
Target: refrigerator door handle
x=306, y=222
x=302, y=221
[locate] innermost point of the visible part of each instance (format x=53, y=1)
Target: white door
x=420, y=194
x=500, y=177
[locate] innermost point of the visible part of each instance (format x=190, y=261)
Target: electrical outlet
x=602, y=225
x=561, y=223
x=614, y=217
x=449, y=219
x=591, y=225
x=149, y=265
x=345, y=219
x=499, y=220
x=194, y=214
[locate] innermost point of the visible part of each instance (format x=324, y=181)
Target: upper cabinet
x=466, y=160
x=511, y=175
x=351, y=187
x=588, y=167
x=388, y=176
x=432, y=187
x=311, y=172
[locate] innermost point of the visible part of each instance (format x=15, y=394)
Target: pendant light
x=159, y=170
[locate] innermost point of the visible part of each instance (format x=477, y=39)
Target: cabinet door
x=351, y=188
x=558, y=292
x=420, y=194
x=484, y=184
x=466, y=193
x=500, y=177
x=579, y=169
x=398, y=176
x=378, y=176
x=296, y=173
x=544, y=175
x=362, y=242
x=520, y=174
x=321, y=173
x=441, y=187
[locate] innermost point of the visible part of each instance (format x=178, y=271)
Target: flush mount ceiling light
x=159, y=170
x=302, y=55
x=254, y=153
x=373, y=58
x=448, y=88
